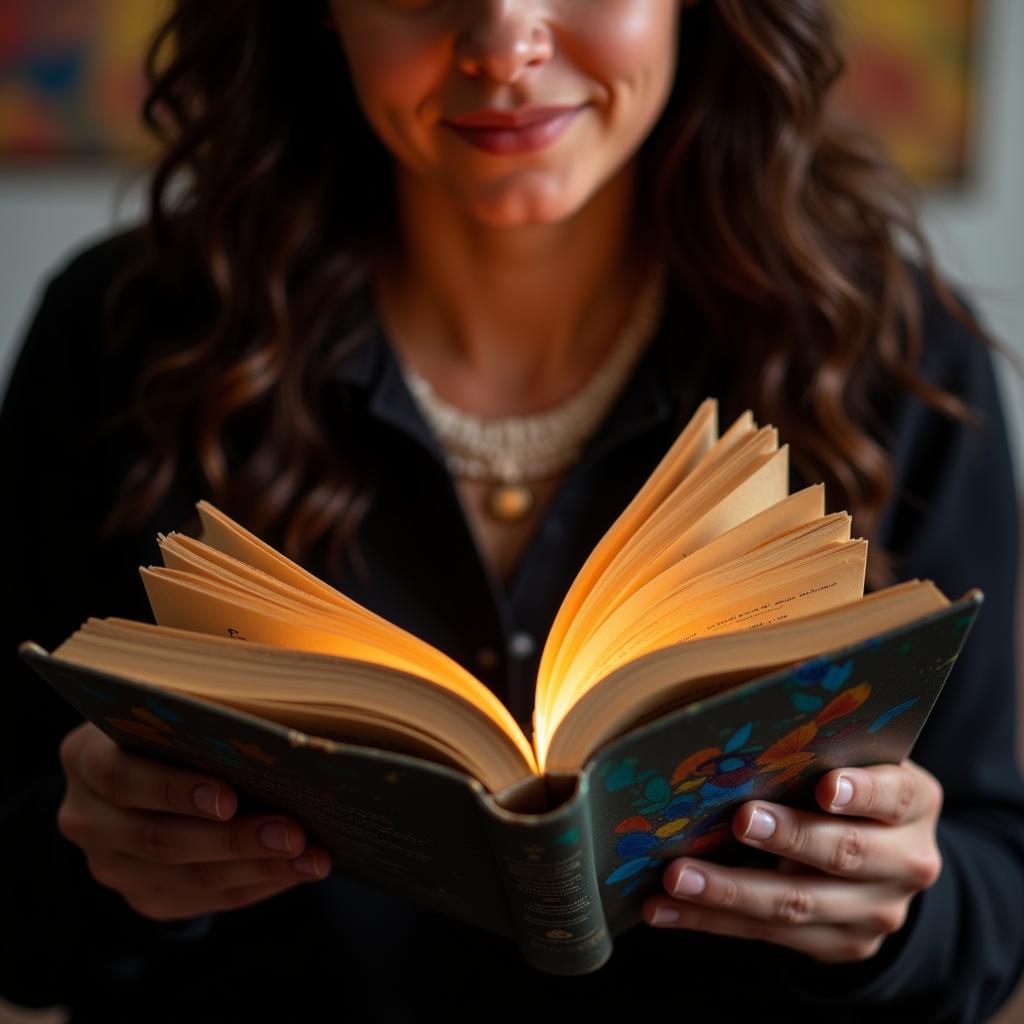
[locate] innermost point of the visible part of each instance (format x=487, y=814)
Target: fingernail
x=665, y=915
x=309, y=864
x=762, y=825
x=691, y=881
x=274, y=836
x=844, y=792
x=207, y=799
x=312, y=864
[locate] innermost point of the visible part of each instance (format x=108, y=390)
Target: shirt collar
x=665, y=380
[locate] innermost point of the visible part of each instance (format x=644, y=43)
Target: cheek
x=392, y=70
x=629, y=46
x=379, y=58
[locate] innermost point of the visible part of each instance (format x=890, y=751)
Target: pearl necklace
x=510, y=450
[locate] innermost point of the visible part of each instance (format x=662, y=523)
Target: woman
x=374, y=211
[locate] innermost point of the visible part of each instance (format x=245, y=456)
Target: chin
x=521, y=207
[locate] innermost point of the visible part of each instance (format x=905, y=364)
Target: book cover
x=559, y=864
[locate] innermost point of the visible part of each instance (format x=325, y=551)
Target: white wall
x=43, y=215
x=978, y=231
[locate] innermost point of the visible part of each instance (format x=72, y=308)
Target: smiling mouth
x=535, y=130
x=515, y=119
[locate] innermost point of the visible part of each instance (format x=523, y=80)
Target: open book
x=712, y=580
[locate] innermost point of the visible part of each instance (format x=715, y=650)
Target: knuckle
x=864, y=948
x=926, y=870
x=103, y=870
x=67, y=751
x=849, y=852
x=794, y=906
x=70, y=823
x=168, y=790
x=234, y=842
x=102, y=768
x=730, y=892
x=868, y=788
x=905, y=793
x=889, y=920
x=156, y=841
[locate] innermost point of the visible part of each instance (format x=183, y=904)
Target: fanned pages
x=711, y=577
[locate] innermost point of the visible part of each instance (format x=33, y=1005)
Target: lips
x=521, y=117
x=503, y=133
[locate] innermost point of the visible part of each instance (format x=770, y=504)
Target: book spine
x=547, y=866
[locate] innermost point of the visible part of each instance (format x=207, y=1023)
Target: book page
x=695, y=440
x=345, y=724
x=294, y=686
x=179, y=551
x=672, y=478
x=204, y=606
x=792, y=515
x=710, y=510
x=670, y=674
x=222, y=532
x=690, y=583
x=202, y=562
x=750, y=480
x=753, y=476
x=833, y=577
x=181, y=601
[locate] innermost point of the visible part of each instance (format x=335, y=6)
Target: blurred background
x=940, y=81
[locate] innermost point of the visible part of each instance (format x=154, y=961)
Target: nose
x=501, y=38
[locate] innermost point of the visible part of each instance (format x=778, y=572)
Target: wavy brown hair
x=780, y=227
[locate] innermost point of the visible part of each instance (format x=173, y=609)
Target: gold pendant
x=509, y=503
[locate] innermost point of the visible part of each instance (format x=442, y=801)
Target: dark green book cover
x=560, y=865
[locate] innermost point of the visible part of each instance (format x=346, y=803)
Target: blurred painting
x=71, y=79
x=909, y=80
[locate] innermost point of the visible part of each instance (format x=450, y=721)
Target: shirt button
x=487, y=657
x=521, y=644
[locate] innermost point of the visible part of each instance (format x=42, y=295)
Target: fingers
x=826, y=943
x=127, y=780
x=91, y=822
x=144, y=836
x=172, y=892
x=858, y=849
x=885, y=792
x=786, y=899
x=900, y=848
x=843, y=880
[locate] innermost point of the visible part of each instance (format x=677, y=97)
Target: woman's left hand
x=845, y=879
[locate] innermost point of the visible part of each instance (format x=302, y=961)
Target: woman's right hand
x=144, y=836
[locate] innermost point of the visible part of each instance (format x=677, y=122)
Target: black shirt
x=341, y=945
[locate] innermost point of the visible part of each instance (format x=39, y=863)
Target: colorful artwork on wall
x=909, y=80
x=71, y=79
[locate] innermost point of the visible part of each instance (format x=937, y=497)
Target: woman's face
x=417, y=64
